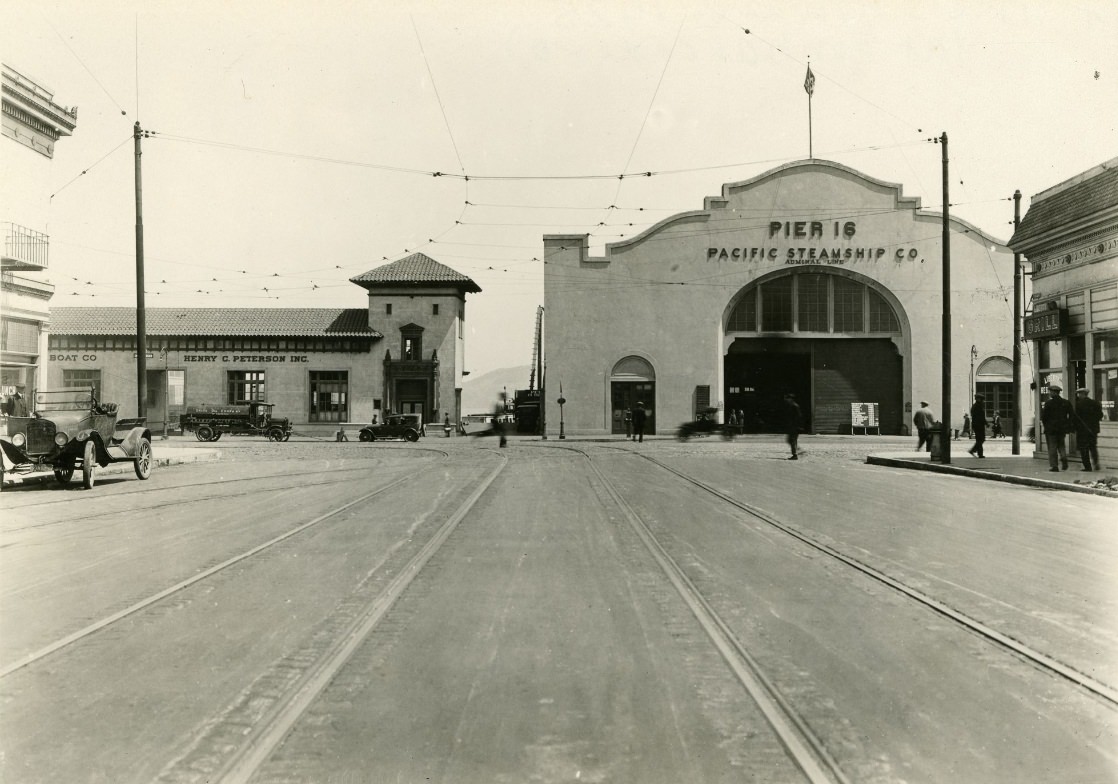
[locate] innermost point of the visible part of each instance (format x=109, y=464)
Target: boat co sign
x=809, y=230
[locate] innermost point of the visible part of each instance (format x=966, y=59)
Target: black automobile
x=69, y=429
x=705, y=423
x=396, y=426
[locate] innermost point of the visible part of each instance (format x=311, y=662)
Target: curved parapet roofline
x=714, y=203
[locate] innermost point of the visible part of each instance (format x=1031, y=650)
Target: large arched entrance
x=831, y=338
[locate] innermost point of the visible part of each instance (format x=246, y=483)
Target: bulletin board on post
x=864, y=416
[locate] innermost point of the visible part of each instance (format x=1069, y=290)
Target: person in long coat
x=639, y=416
x=978, y=422
x=1056, y=415
x=793, y=421
x=1088, y=415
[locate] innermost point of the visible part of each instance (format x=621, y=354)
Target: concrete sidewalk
x=1002, y=466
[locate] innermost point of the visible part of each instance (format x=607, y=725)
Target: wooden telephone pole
x=141, y=317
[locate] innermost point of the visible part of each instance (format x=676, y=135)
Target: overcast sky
x=296, y=143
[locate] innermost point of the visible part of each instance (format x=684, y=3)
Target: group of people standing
x=1058, y=415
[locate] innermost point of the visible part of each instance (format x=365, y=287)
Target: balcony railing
x=24, y=248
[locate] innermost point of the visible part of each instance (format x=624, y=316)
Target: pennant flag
x=809, y=81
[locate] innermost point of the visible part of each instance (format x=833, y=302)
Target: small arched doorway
x=994, y=381
x=631, y=382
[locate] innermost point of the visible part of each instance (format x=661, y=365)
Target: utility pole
x=141, y=318
x=1017, y=296
x=945, y=435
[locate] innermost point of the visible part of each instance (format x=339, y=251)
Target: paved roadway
x=556, y=611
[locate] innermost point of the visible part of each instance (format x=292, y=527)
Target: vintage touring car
x=70, y=430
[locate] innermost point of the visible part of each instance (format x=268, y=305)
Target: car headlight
x=61, y=439
x=19, y=439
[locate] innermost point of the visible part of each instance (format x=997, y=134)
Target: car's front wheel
x=365, y=435
x=144, y=460
x=89, y=465
x=411, y=435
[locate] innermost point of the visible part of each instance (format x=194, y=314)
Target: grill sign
x=1046, y=324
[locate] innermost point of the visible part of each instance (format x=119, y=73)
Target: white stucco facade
x=783, y=282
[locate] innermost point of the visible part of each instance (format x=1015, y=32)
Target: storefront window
x=1106, y=348
x=329, y=396
x=246, y=386
x=83, y=379
x=1106, y=391
x=1106, y=373
x=1051, y=353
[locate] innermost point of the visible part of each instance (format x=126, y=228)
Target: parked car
x=405, y=426
x=705, y=423
x=70, y=430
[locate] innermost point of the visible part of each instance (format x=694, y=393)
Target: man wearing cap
x=1056, y=416
x=1088, y=414
x=639, y=417
x=978, y=422
x=925, y=422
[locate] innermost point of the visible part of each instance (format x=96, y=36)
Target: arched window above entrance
x=818, y=302
x=633, y=369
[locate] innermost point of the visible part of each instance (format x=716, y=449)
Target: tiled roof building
x=278, y=322
x=402, y=353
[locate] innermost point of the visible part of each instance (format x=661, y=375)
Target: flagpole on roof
x=809, y=87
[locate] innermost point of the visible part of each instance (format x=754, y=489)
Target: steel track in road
x=804, y=747
x=137, y=489
x=1047, y=663
x=249, y=491
x=256, y=743
x=109, y=620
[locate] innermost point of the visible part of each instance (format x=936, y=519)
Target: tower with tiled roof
x=419, y=305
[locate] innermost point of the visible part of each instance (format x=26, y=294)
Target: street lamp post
x=562, y=401
x=973, y=357
x=166, y=392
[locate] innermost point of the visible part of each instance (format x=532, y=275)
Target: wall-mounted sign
x=1046, y=324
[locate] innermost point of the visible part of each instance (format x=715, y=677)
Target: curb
x=1007, y=478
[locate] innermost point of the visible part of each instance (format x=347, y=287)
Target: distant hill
x=479, y=395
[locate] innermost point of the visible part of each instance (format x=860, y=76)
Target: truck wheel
x=286, y=436
x=89, y=465
x=216, y=436
x=63, y=475
x=275, y=434
x=143, y=459
x=204, y=433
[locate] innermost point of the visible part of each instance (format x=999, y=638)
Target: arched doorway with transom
x=632, y=382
